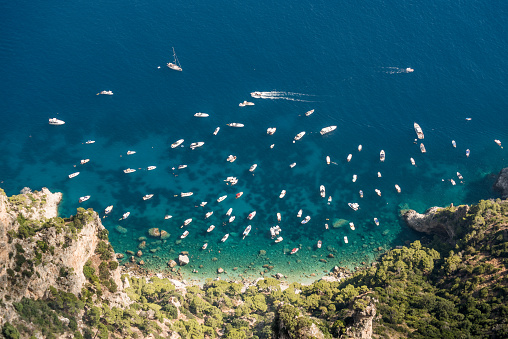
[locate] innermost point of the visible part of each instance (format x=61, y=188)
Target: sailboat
x=176, y=64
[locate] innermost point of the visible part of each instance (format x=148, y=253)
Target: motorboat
x=397, y=187
x=279, y=217
x=279, y=239
x=327, y=130
x=345, y=239
x=376, y=221
x=147, y=196
x=322, y=191
x=72, y=175
x=352, y=226
x=274, y=231
x=306, y=219
x=299, y=215
x=299, y=136
x=453, y=182
x=459, y=176
x=88, y=142
x=328, y=160
x=498, y=142
x=222, y=198
x=246, y=103
x=151, y=168
x=105, y=93
x=238, y=195
x=294, y=250
x=382, y=155
x=353, y=205
x=186, y=233
x=256, y=94
x=232, y=218
x=378, y=192
x=186, y=194
x=282, y=194
x=201, y=115
x=454, y=144
x=209, y=229
x=205, y=245
x=413, y=162
x=85, y=198
x=187, y=221
x=309, y=112
x=246, y=231
x=409, y=70
x=167, y=216
x=177, y=143
x=231, y=158
x=84, y=161
x=418, y=130
x=253, y=168
x=56, y=122
x=195, y=145
x=129, y=170
x=360, y=192
x=270, y=130
x=355, y=177
x=182, y=167
x=108, y=209
x=208, y=214
x=349, y=157
x=251, y=215
x=360, y=147
x=327, y=227
x=131, y=152
x=379, y=174
x=175, y=65
x=292, y=165
x=271, y=146
x=329, y=199
x=125, y=215
x=468, y=119
x=230, y=210
x=422, y=148
x=216, y=131
x=224, y=238
x=235, y=124
x=203, y=203
x=232, y=180
x=468, y=152
x=319, y=244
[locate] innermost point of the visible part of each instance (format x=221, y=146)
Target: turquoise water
x=347, y=61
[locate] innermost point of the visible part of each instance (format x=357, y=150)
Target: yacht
x=203, y=203
x=105, y=93
x=459, y=176
x=208, y=214
x=274, y=231
x=299, y=215
x=453, y=182
x=309, y=112
x=186, y=194
x=56, y=122
x=246, y=103
x=376, y=221
x=270, y=130
x=88, y=142
x=201, y=115
x=129, y=170
x=349, y=157
x=319, y=244
x=413, y=162
x=306, y=219
x=108, y=209
x=454, y=144
x=167, y=216
x=378, y=192
x=255, y=94
x=468, y=152
x=228, y=213
x=187, y=221
x=182, y=167
x=235, y=124
x=409, y=70
x=355, y=177
x=186, y=233
x=151, y=168
x=210, y=228
x=246, y=231
x=418, y=130
x=253, y=168
x=279, y=217
x=271, y=146
x=292, y=165
x=85, y=198
x=379, y=174
x=352, y=226
x=125, y=215
x=239, y=194
x=328, y=160
x=353, y=205
x=147, y=196
x=468, y=119
x=327, y=129
x=322, y=191
x=360, y=192
x=498, y=142
x=84, y=161
x=232, y=218
x=75, y=174
x=251, y=215
x=177, y=143
x=422, y=148
x=224, y=238
x=397, y=187
x=195, y=145
x=299, y=136
x=231, y=158
x=130, y=152
x=216, y=131
x=345, y=239
x=282, y=194
x=360, y=147
x=382, y=155
x=205, y=245
x=279, y=239
x=222, y=198
x=294, y=250
x=175, y=65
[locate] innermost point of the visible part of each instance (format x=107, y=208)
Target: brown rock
x=142, y=245
x=133, y=259
x=323, y=260
x=139, y=253
x=220, y=270
x=129, y=252
x=119, y=256
x=164, y=235
x=330, y=255
x=154, y=232
x=141, y=262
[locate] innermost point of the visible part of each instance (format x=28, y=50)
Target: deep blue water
x=346, y=60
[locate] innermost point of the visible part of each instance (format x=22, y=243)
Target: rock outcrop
x=436, y=220
x=290, y=324
x=501, y=184
x=364, y=312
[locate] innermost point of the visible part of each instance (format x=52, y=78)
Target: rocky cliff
x=501, y=184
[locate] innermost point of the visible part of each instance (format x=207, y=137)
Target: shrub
x=9, y=331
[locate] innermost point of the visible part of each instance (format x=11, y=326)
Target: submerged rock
x=183, y=259
x=164, y=235
x=154, y=232
x=339, y=223
x=172, y=263
x=120, y=229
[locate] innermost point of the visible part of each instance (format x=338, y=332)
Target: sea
x=370, y=68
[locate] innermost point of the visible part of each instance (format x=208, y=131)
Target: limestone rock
x=142, y=245
x=120, y=229
x=164, y=235
x=139, y=253
x=183, y=259
x=172, y=263
x=220, y=270
x=362, y=317
x=279, y=276
x=129, y=252
x=141, y=262
x=154, y=232
x=435, y=220
x=132, y=259
x=501, y=184
x=119, y=255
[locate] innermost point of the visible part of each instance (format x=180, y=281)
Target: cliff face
x=436, y=220
x=501, y=184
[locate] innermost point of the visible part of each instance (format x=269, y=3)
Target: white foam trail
x=284, y=95
x=396, y=70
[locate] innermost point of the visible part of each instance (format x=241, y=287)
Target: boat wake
x=291, y=96
x=397, y=70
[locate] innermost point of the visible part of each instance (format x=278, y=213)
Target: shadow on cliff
x=482, y=189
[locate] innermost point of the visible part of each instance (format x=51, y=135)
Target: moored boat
x=322, y=191
x=105, y=93
x=246, y=231
x=222, y=198
x=235, y=124
x=376, y=221
x=224, y=238
x=279, y=239
x=151, y=168
x=187, y=221
x=253, y=168
x=413, y=162
x=175, y=65
x=378, y=192
x=186, y=233
x=352, y=226
x=238, y=195
x=195, y=145
x=108, y=209
x=129, y=170
x=327, y=130
x=459, y=176
x=345, y=239
x=498, y=142
x=182, y=167
x=230, y=210
x=270, y=130
x=216, y=131
x=349, y=157
x=397, y=187
x=88, y=142
x=418, y=130
x=177, y=143
x=309, y=112
x=186, y=194
x=282, y=194
x=84, y=161
x=468, y=152
x=246, y=103
x=319, y=244
x=355, y=177
x=382, y=155
x=201, y=115
x=360, y=192
x=292, y=165
x=72, y=175
x=299, y=215
x=306, y=219
x=85, y=198
x=294, y=250
x=167, y=216
x=56, y=122
x=379, y=174
x=453, y=182
x=205, y=245
x=231, y=158
x=422, y=148
x=251, y=215
x=208, y=214
x=147, y=196
x=279, y=217
x=328, y=160
x=354, y=205
x=299, y=136
x=360, y=147
x=329, y=199
x=210, y=228
x=454, y=144
x=125, y=215
x=203, y=203
x=131, y=152
x=232, y=218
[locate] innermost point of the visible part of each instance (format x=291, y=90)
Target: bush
x=9, y=331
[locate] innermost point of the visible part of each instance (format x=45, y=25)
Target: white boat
x=319, y=244
x=397, y=187
x=224, y=238
x=271, y=146
x=378, y=192
x=418, y=130
x=182, y=167
x=108, y=209
x=167, y=216
x=216, y=131
x=246, y=103
x=125, y=215
x=208, y=214
x=187, y=221
x=186, y=233
x=459, y=176
x=129, y=170
x=282, y=194
x=147, y=196
x=251, y=215
x=232, y=218
x=498, y=142
x=84, y=161
x=454, y=144
x=230, y=210
x=360, y=147
x=279, y=239
x=210, y=228
x=327, y=129
x=231, y=158
x=222, y=198
x=360, y=192
x=409, y=70
x=355, y=177
x=468, y=152
x=292, y=165
x=329, y=199
x=177, y=143
x=322, y=191
x=195, y=145
x=270, y=130
x=299, y=136
x=382, y=155
x=352, y=226
x=105, y=93
x=85, y=198
x=72, y=175
x=299, y=215
x=255, y=94
x=56, y=122
x=328, y=160
x=235, y=124
x=468, y=119
x=203, y=203
x=376, y=221
x=422, y=148
x=175, y=65
x=294, y=250
x=253, y=168
x=246, y=231
x=349, y=157
x=413, y=162
x=274, y=231
x=131, y=152
x=279, y=217
x=186, y=194
x=353, y=205
x=309, y=112
x=306, y=219
x=238, y=195
x=201, y=115
x=379, y=174
x=88, y=142
x=205, y=245
x=453, y=182
x=151, y=168
x=345, y=239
